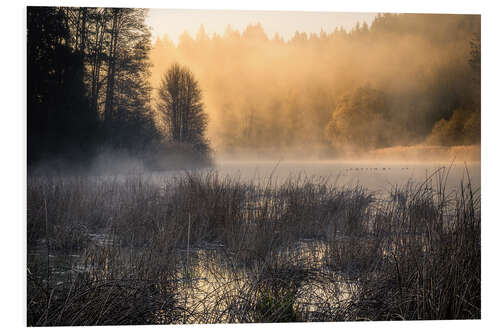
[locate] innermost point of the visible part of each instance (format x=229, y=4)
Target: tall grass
x=202, y=248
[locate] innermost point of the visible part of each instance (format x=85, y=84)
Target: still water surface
x=374, y=176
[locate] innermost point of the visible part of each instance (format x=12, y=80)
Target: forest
x=89, y=92
x=411, y=78
x=95, y=78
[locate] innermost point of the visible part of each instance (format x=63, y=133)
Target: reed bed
x=202, y=248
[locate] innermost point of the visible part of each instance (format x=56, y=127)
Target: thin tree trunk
x=83, y=30
x=108, y=108
x=96, y=75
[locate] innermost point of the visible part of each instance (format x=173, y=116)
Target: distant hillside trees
x=286, y=91
x=463, y=128
x=362, y=120
x=182, y=111
x=464, y=125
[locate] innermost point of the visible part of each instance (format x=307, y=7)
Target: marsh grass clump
x=107, y=285
x=202, y=248
x=431, y=263
x=277, y=289
x=113, y=302
x=275, y=306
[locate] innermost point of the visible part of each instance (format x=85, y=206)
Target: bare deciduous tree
x=182, y=109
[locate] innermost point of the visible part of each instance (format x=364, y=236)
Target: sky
x=175, y=21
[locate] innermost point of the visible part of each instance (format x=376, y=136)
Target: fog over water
x=377, y=177
x=374, y=176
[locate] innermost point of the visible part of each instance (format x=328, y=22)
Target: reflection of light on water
x=209, y=289
x=214, y=292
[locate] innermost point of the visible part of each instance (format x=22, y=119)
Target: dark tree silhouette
x=127, y=112
x=88, y=83
x=60, y=123
x=182, y=109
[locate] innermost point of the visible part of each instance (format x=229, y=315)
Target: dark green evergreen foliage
x=88, y=84
x=59, y=119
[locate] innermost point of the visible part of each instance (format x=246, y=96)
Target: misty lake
x=211, y=275
x=374, y=176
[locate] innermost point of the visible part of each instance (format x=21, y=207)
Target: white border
x=13, y=132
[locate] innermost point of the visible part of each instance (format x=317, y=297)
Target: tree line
x=89, y=89
x=397, y=81
x=405, y=79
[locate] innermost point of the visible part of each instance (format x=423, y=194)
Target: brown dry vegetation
x=201, y=248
